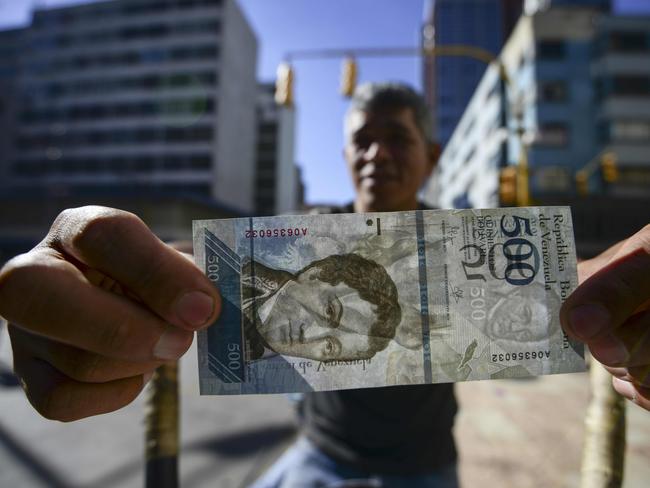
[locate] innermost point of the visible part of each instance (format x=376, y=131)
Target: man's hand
x=95, y=308
x=610, y=312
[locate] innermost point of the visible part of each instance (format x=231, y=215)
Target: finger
x=634, y=393
x=120, y=245
x=57, y=397
x=640, y=375
x=618, y=372
x=76, y=363
x=589, y=267
x=604, y=301
x=52, y=298
x=628, y=345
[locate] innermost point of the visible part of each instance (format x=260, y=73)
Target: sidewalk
x=518, y=434
x=529, y=433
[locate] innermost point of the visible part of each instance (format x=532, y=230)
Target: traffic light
x=284, y=85
x=582, y=182
x=508, y=186
x=609, y=167
x=348, y=77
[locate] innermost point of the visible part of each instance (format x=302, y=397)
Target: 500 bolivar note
x=324, y=302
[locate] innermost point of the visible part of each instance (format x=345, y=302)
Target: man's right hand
x=96, y=307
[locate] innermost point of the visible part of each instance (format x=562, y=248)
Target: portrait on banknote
x=521, y=315
x=343, y=307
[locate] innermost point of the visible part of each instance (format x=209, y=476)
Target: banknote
x=325, y=302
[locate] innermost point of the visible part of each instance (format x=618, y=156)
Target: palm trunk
x=162, y=411
x=603, y=455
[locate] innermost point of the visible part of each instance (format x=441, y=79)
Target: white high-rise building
x=133, y=95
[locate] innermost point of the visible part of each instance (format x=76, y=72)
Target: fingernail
x=172, y=344
x=610, y=351
x=624, y=388
x=195, y=308
x=588, y=320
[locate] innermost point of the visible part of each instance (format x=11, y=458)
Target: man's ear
x=433, y=154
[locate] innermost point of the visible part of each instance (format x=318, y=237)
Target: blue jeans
x=303, y=465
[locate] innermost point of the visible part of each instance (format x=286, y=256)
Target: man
x=343, y=308
x=397, y=436
x=101, y=302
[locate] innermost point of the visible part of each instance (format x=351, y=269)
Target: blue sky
x=286, y=25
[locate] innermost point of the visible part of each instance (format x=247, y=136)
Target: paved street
x=511, y=434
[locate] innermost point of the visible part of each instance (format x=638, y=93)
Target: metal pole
x=161, y=439
x=603, y=455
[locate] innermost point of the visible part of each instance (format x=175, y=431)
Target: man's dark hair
x=374, y=286
x=370, y=97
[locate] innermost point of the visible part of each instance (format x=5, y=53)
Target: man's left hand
x=610, y=312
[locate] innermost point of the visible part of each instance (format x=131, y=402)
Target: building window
x=266, y=146
x=634, y=177
x=470, y=127
x=630, y=130
x=553, y=134
x=494, y=90
x=552, y=179
x=170, y=107
x=149, y=82
x=470, y=156
x=551, y=50
x=115, y=136
x=554, y=91
x=114, y=165
x=631, y=85
x=128, y=58
x=629, y=42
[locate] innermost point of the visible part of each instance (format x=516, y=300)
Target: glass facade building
x=450, y=81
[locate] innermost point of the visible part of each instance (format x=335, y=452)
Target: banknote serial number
x=520, y=356
x=279, y=232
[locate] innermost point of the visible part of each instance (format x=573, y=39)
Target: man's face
x=388, y=158
x=519, y=319
x=312, y=319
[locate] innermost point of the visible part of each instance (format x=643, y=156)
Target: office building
x=277, y=178
x=132, y=96
x=579, y=88
x=449, y=81
x=621, y=77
